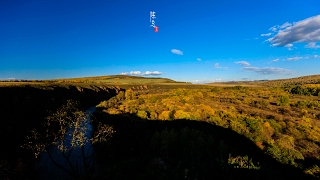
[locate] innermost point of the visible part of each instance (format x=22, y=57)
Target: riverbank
x=24, y=107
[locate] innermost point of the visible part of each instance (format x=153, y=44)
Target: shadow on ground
x=182, y=149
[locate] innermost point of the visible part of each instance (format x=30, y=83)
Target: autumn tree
x=180, y=114
x=142, y=114
x=283, y=100
x=165, y=115
x=66, y=131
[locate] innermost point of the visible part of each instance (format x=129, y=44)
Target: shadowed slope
x=181, y=149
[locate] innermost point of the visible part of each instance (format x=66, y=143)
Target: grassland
x=117, y=79
x=121, y=81
x=234, y=84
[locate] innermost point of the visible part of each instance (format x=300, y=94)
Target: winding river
x=49, y=170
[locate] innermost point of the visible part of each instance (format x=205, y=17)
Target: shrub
x=165, y=115
x=304, y=112
x=284, y=110
x=242, y=162
x=314, y=170
x=283, y=100
x=298, y=90
x=264, y=104
x=277, y=126
x=113, y=111
x=315, y=104
x=214, y=89
x=103, y=104
x=301, y=104
x=268, y=131
x=180, y=114
x=153, y=115
x=142, y=114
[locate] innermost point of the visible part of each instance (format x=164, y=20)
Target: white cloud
x=268, y=34
x=135, y=73
x=154, y=73
x=198, y=81
x=274, y=28
x=176, y=51
x=265, y=70
x=315, y=56
x=8, y=79
x=243, y=63
x=312, y=45
x=216, y=65
x=198, y=59
x=201, y=81
x=256, y=38
x=285, y=25
x=294, y=58
x=139, y=73
x=307, y=30
x=268, y=70
x=289, y=46
x=205, y=81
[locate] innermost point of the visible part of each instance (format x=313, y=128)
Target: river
x=49, y=170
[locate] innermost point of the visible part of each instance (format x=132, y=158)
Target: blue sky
x=197, y=40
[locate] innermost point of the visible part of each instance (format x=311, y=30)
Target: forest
x=282, y=123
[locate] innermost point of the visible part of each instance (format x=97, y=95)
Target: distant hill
x=312, y=79
x=119, y=79
x=112, y=79
x=128, y=80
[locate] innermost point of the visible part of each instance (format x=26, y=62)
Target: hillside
x=119, y=79
x=112, y=79
x=303, y=80
x=312, y=79
x=212, y=132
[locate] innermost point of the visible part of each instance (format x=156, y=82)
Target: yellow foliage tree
x=153, y=115
x=113, y=111
x=285, y=141
x=268, y=131
x=142, y=114
x=165, y=115
x=180, y=114
x=129, y=94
